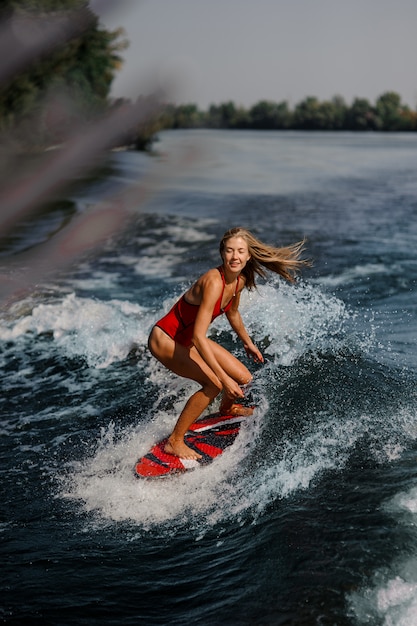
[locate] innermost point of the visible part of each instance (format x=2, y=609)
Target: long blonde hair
x=283, y=261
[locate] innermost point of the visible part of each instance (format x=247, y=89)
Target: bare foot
x=180, y=449
x=237, y=409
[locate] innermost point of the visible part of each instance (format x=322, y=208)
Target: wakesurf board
x=209, y=436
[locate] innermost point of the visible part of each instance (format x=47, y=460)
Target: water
x=311, y=517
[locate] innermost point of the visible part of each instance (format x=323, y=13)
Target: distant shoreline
x=388, y=114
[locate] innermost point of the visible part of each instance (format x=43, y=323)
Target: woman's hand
x=232, y=389
x=253, y=352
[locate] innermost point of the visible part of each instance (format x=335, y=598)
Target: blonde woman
x=179, y=340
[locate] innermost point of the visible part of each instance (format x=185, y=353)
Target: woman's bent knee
x=245, y=378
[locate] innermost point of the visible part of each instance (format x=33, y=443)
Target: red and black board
x=209, y=436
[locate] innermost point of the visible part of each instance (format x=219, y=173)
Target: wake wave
x=100, y=332
x=286, y=321
x=315, y=406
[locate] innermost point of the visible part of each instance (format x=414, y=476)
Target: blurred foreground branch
x=27, y=184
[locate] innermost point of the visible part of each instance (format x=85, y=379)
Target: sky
x=213, y=51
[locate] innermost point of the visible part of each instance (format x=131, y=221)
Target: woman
x=179, y=339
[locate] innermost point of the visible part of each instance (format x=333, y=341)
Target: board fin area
x=209, y=436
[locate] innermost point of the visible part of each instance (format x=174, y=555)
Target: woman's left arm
x=236, y=322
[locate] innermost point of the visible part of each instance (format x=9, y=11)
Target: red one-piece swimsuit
x=179, y=322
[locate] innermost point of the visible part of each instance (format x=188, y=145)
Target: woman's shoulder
x=207, y=282
x=211, y=277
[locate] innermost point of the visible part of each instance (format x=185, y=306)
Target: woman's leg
x=187, y=363
x=236, y=370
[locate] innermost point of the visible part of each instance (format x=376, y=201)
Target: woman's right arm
x=236, y=322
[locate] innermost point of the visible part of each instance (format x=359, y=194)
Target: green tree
x=390, y=111
x=361, y=116
x=83, y=66
x=311, y=114
x=408, y=119
x=339, y=112
x=187, y=116
x=308, y=114
x=270, y=115
x=233, y=116
x=226, y=115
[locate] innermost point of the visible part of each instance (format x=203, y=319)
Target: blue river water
x=311, y=516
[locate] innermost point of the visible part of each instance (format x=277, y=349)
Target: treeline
x=387, y=114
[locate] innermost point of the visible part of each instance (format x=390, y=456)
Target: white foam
x=294, y=463
x=352, y=274
x=234, y=485
x=292, y=321
x=160, y=266
x=105, y=483
x=391, y=603
x=391, y=598
x=406, y=501
x=398, y=593
x=161, y=254
x=97, y=280
x=100, y=332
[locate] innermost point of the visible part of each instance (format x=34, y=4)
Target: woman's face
x=235, y=254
